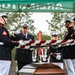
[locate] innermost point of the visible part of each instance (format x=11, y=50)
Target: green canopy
x=37, y=5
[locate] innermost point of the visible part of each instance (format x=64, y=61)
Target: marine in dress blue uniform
x=6, y=45
x=68, y=52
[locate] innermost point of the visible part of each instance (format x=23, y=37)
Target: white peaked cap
x=54, y=33
x=69, y=20
x=3, y=13
x=25, y=25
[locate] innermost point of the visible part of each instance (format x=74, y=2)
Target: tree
x=57, y=22
x=17, y=19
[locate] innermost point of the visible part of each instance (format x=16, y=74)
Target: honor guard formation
x=55, y=51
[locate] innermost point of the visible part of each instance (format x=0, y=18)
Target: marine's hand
x=21, y=43
x=58, y=57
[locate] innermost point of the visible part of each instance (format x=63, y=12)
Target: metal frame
x=37, y=5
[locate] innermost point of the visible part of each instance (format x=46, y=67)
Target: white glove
x=21, y=43
x=58, y=57
x=44, y=58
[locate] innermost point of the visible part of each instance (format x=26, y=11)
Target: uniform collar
x=26, y=35
x=70, y=28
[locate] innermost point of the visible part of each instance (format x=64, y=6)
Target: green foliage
x=46, y=37
x=57, y=23
x=13, y=53
x=35, y=36
x=17, y=19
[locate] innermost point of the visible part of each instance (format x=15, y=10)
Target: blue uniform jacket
x=8, y=44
